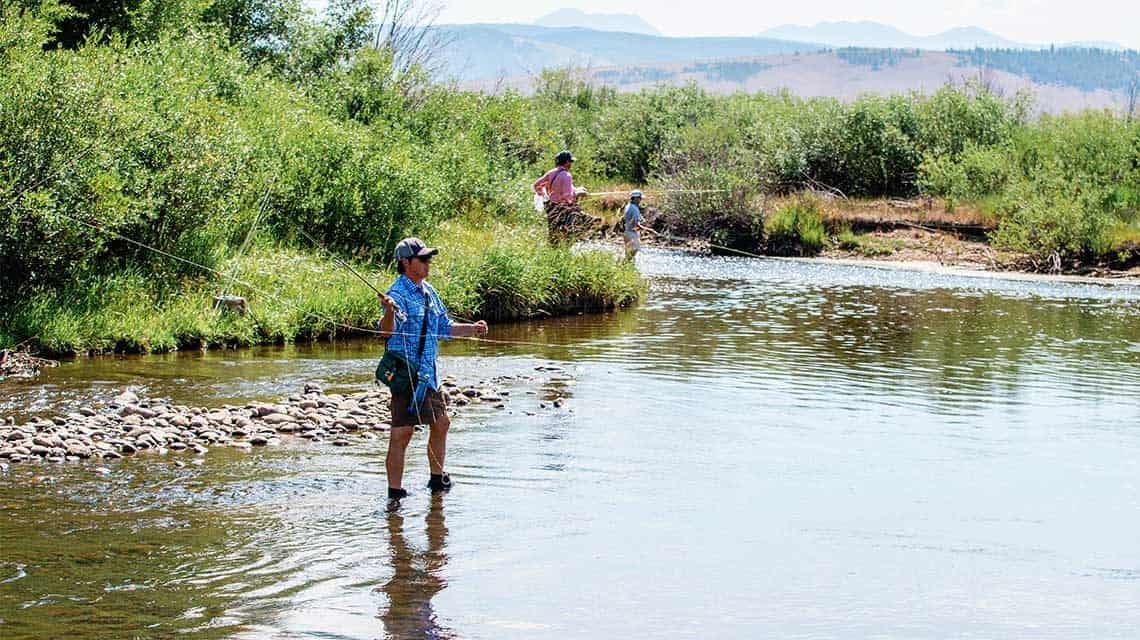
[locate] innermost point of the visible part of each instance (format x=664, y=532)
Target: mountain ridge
x=619, y=22
x=868, y=33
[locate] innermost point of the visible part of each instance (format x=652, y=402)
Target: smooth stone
x=277, y=418
x=126, y=397
x=341, y=443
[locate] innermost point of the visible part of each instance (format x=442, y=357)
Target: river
x=761, y=448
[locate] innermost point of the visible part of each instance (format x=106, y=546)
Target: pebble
x=130, y=425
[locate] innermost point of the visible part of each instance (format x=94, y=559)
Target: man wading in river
x=564, y=216
x=632, y=221
x=414, y=320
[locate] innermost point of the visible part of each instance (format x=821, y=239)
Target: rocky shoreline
x=129, y=425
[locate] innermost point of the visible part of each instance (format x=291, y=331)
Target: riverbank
x=918, y=231
x=492, y=271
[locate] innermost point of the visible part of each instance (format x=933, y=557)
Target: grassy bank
x=492, y=272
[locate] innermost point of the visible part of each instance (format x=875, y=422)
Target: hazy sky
x=1032, y=21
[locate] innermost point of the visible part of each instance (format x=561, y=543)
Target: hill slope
x=848, y=73
x=489, y=51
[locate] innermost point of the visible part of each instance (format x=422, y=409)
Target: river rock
x=138, y=410
x=126, y=397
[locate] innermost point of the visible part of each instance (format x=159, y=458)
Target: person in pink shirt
x=560, y=199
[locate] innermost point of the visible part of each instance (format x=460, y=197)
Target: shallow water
x=763, y=447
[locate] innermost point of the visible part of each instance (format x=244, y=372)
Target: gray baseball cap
x=410, y=247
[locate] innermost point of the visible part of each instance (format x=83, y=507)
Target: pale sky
x=1029, y=21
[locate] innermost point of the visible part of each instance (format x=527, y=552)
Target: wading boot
x=394, y=497
x=439, y=482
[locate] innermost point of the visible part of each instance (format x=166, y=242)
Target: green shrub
x=795, y=228
x=975, y=174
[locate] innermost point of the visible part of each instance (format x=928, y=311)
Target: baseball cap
x=564, y=157
x=636, y=193
x=410, y=247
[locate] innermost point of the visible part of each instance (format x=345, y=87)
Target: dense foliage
x=180, y=123
x=180, y=130
x=1061, y=186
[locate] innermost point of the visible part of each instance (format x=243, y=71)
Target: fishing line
x=278, y=299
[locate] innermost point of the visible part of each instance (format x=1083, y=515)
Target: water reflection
x=417, y=576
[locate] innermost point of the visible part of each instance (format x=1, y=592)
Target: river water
x=762, y=448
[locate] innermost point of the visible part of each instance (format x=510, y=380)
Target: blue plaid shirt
x=405, y=341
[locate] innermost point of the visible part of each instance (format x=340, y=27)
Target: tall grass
x=795, y=228
x=495, y=273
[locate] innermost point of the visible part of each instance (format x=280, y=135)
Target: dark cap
x=411, y=247
x=563, y=157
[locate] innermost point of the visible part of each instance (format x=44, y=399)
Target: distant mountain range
x=875, y=34
x=489, y=51
x=845, y=60
x=624, y=22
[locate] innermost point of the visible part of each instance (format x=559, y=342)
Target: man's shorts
x=433, y=407
x=632, y=241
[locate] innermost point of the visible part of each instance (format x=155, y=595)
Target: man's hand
x=480, y=328
x=387, y=302
x=581, y=191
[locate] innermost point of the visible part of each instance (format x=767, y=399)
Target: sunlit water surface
x=762, y=448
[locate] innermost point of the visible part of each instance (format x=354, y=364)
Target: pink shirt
x=558, y=183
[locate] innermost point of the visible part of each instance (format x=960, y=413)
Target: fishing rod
x=400, y=314
x=338, y=260
x=669, y=236
x=657, y=191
